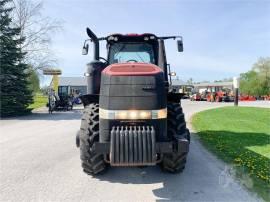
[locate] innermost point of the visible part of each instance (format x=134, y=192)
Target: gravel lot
x=40, y=162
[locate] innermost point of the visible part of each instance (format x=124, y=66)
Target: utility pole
x=236, y=90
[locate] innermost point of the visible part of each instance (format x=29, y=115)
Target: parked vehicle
x=61, y=100
x=196, y=97
x=247, y=98
x=220, y=95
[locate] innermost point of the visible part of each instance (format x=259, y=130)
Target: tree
x=15, y=94
x=190, y=81
x=33, y=80
x=44, y=90
x=36, y=31
x=256, y=82
x=249, y=84
x=262, y=67
x=224, y=80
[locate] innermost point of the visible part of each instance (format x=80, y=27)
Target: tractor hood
x=132, y=69
x=132, y=86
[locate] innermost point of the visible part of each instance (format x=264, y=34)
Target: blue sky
x=221, y=38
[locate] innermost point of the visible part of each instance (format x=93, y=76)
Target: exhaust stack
x=94, y=38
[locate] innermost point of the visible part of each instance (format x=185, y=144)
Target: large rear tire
x=175, y=162
x=92, y=163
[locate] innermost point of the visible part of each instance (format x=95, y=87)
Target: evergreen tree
x=15, y=93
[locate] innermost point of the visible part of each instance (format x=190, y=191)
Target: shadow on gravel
x=75, y=114
x=201, y=178
x=170, y=183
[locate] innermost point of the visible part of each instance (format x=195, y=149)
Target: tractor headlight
x=132, y=114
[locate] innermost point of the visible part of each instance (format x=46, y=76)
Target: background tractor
x=60, y=100
x=131, y=117
x=60, y=97
x=219, y=94
x=196, y=97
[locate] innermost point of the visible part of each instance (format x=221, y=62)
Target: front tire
x=92, y=163
x=175, y=162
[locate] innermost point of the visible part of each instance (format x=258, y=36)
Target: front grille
x=133, y=146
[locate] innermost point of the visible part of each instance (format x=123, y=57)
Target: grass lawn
x=39, y=101
x=241, y=137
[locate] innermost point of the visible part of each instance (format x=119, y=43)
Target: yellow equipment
x=54, y=73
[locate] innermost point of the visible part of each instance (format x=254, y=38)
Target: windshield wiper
x=140, y=57
x=120, y=49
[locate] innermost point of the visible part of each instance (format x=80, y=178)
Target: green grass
x=241, y=137
x=39, y=101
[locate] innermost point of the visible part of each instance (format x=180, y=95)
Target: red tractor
x=196, y=97
x=219, y=94
x=131, y=117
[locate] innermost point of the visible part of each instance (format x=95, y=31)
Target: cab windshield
x=131, y=52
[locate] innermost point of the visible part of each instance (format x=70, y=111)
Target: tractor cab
x=132, y=48
x=65, y=94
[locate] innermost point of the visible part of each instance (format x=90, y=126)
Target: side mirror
x=85, y=49
x=180, y=46
x=173, y=74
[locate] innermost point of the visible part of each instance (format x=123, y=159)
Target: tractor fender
x=174, y=97
x=89, y=98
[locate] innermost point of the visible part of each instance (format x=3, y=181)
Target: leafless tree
x=190, y=81
x=36, y=31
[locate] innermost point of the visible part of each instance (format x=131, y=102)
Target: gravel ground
x=40, y=162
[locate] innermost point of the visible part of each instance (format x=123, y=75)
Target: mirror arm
x=86, y=42
x=170, y=37
x=169, y=67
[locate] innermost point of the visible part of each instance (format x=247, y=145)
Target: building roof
x=178, y=82
x=214, y=84
x=72, y=81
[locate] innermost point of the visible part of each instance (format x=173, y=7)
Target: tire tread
x=174, y=162
x=92, y=163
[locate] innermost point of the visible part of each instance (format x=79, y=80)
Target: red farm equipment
x=247, y=98
x=196, y=97
x=219, y=94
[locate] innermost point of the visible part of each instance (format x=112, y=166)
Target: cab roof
x=131, y=37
